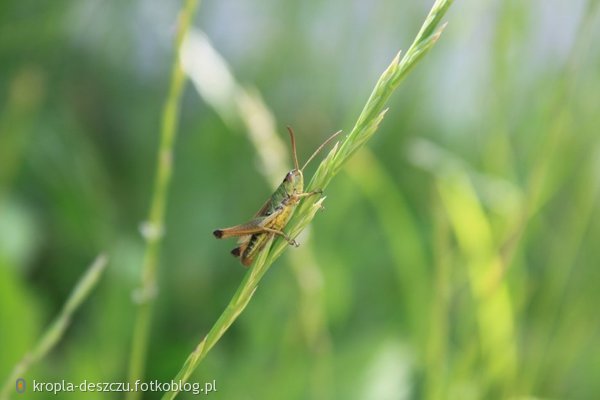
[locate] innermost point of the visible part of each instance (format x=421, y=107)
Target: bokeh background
x=457, y=257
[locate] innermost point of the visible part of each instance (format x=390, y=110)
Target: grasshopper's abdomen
x=281, y=216
x=255, y=245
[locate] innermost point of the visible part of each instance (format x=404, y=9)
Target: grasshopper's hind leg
x=292, y=242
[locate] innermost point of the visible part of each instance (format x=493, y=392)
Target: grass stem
x=58, y=327
x=153, y=229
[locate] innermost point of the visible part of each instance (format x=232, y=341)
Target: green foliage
x=456, y=256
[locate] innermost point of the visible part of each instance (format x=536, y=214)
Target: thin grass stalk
x=153, y=229
x=57, y=328
x=365, y=127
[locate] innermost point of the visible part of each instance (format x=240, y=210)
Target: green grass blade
x=153, y=228
x=58, y=327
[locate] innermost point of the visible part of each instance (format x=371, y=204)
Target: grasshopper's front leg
x=308, y=194
x=298, y=196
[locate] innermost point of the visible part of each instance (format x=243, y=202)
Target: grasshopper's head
x=293, y=181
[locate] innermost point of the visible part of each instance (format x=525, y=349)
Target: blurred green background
x=457, y=257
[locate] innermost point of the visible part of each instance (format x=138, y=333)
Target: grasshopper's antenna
x=320, y=148
x=291, y=131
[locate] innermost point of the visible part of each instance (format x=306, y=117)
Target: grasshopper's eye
x=288, y=177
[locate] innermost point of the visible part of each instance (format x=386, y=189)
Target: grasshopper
x=274, y=215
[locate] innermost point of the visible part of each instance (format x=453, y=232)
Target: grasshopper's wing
x=248, y=228
x=257, y=225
